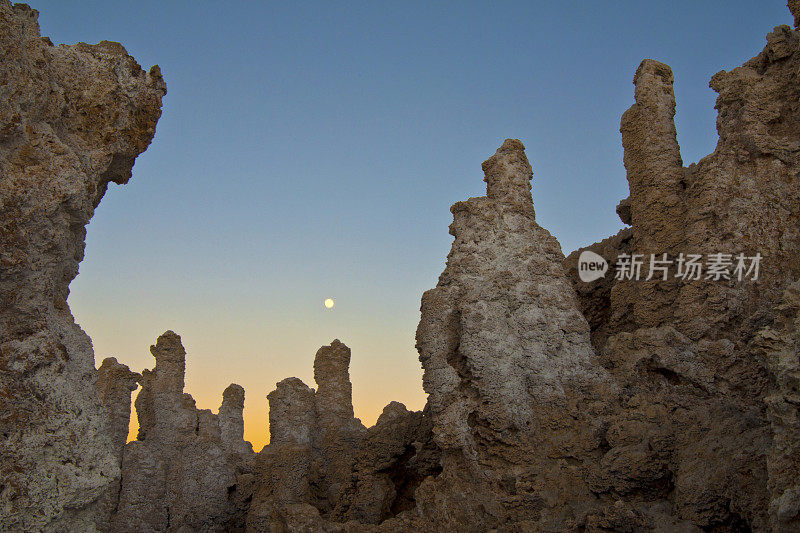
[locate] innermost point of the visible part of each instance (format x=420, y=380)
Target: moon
x=329, y=303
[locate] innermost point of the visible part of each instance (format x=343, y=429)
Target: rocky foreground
x=554, y=404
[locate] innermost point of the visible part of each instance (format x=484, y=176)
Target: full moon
x=329, y=303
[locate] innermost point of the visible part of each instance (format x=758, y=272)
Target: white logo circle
x=591, y=266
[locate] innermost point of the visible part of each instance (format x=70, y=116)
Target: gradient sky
x=312, y=150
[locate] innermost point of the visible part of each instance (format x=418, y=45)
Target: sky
x=311, y=150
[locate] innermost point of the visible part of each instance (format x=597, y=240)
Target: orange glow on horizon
x=256, y=427
x=256, y=346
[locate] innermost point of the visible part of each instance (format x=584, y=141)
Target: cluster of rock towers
x=553, y=404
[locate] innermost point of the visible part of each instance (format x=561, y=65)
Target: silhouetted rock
x=313, y=441
x=186, y=468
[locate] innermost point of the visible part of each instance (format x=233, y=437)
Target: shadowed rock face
x=704, y=364
x=396, y=455
x=187, y=466
x=72, y=119
x=323, y=471
x=334, y=392
x=115, y=382
x=231, y=421
x=313, y=441
x=779, y=344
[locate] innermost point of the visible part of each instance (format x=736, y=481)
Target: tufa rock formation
x=72, y=120
x=666, y=404
x=780, y=345
x=323, y=471
x=396, y=455
x=115, y=382
x=700, y=357
x=183, y=472
x=516, y=393
x=313, y=440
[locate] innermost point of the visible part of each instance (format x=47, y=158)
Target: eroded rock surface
x=185, y=470
x=554, y=404
x=323, y=471
x=115, y=383
x=72, y=120
x=780, y=344
x=313, y=440
x=705, y=429
x=514, y=386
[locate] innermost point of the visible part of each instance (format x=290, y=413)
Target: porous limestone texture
x=516, y=392
x=338, y=432
x=780, y=344
x=115, y=383
x=396, y=455
x=707, y=429
x=185, y=470
x=72, y=120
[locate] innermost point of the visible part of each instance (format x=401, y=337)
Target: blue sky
x=312, y=149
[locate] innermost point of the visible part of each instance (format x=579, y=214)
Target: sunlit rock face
x=704, y=365
x=187, y=467
x=72, y=120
